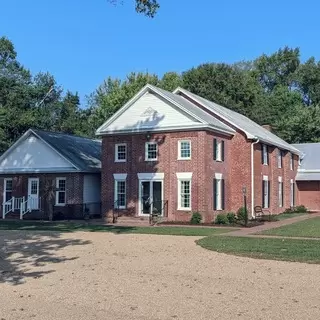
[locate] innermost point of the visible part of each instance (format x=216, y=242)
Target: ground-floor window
x=120, y=194
x=265, y=192
x=7, y=195
x=60, y=191
x=185, y=194
x=292, y=193
x=218, y=192
x=280, y=190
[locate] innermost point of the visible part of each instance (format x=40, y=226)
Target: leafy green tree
x=147, y=7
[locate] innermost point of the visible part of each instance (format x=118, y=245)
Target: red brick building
x=177, y=153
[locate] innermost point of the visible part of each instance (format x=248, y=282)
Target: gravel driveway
x=106, y=276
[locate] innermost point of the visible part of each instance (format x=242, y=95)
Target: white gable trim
x=23, y=138
x=144, y=90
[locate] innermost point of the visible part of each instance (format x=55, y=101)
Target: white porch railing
x=29, y=204
x=11, y=205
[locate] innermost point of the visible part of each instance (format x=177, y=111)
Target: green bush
x=242, y=214
x=231, y=217
x=301, y=209
x=221, y=219
x=196, y=218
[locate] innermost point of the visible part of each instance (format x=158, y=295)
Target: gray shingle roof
x=310, y=162
x=204, y=116
x=252, y=129
x=82, y=152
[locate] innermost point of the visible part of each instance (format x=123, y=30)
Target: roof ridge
x=65, y=134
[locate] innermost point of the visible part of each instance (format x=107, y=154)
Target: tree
x=147, y=7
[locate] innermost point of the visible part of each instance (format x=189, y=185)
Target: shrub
x=242, y=214
x=231, y=217
x=221, y=219
x=196, y=218
x=301, y=209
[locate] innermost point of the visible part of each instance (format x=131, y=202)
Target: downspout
x=252, y=176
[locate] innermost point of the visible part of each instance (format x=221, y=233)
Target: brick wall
x=273, y=172
x=74, y=187
x=236, y=171
x=201, y=165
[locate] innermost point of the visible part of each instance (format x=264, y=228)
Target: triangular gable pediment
x=31, y=154
x=149, y=111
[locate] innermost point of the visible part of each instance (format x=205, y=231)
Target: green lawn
x=72, y=227
x=265, y=248
x=284, y=216
x=308, y=228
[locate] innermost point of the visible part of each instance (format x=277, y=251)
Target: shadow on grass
x=22, y=254
x=62, y=227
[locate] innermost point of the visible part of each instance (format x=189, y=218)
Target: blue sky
x=81, y=42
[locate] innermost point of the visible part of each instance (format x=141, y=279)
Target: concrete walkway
x=244, y=232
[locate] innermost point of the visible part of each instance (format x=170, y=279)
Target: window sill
x=219, y=160
x=120, y=160
x=60, y=204
x=122, y=208
x=184, y=209
x=184, y=159
x=154, y=160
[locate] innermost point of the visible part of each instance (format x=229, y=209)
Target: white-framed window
x=292, y=193
x=291, y=161
x=120, y=194
x=184, y=190
x=279, y=158
x=184, y=150
x=60, y=191
x=218, y=150
x=151, y=151
x=121, y=152
x=7, y=190
x=218, y=192
x=280, y=192
x=265, y=192
x=265, y=155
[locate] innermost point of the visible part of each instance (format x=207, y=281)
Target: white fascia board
x=145, y=89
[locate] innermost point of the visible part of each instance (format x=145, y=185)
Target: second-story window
x=265, y=154
x=218, y=150
x=291, y=161
x=184, y=150
x=151, y=151
x=279, y=158
x=121, y=152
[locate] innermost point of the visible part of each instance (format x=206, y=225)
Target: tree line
x=277, y=89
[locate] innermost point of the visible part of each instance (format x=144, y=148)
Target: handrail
x=7, y=207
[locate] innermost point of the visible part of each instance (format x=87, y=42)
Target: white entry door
x=33, y=193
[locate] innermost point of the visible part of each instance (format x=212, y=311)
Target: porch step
x=12, y=216
x=132, y=221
